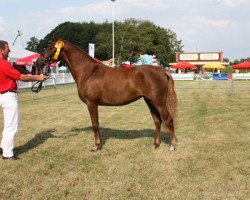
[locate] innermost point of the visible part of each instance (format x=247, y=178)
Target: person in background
x=202, y=72
x=9, y=100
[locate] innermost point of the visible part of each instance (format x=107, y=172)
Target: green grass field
x=212, y=160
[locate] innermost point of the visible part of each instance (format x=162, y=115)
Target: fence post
x=33, y=95
x=54, y=79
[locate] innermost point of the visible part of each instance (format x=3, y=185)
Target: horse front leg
x=93, y=111
x=157, y=121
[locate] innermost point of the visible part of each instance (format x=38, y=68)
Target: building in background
x=199, y=59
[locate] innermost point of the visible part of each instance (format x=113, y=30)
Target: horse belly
x=119, y=98
x=121, y=94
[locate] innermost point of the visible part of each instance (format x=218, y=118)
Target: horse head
x=50, y=55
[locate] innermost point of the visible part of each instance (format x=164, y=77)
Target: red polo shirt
x=8, y=76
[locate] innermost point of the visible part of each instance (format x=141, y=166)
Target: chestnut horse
x=99, y=84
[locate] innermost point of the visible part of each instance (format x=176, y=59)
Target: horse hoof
x=156, y=145
x=95, y=148
x=171, y=148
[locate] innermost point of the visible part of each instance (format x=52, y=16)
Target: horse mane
x=84, y=55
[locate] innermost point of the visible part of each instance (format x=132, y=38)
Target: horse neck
x=79, y=62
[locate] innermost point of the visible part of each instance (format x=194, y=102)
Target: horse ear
x=167, y=74
x=55, y=37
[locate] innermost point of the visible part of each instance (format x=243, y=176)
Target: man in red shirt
x=9, y=100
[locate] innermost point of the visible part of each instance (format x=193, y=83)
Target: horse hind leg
x=170, y=125
x=157, y=120
x=93, y=111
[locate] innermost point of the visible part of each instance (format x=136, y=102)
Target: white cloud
x=233, y=3
x=45, y=21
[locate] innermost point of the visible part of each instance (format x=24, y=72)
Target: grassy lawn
x=212, y=160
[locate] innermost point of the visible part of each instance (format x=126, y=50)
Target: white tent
x=17, y=52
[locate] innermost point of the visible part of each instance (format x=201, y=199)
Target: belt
x=8, y=91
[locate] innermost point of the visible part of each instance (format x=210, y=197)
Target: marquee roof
x=17, y=53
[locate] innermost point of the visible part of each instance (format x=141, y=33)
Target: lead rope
x=39, y=87
x=36, y=90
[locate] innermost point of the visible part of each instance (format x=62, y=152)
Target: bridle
x=46, y=62
x=40, y=83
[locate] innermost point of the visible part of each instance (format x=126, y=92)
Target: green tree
x=237, y=61
x=103, y=50
x=80, y=34
x=225, y=60
x=33, y=44
x=132, y=37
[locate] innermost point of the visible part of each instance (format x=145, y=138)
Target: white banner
x=92, y=50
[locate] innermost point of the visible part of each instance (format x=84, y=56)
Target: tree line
x=132, y=38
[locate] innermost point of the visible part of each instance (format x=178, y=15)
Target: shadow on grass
x=39, y=139
x=107, y=133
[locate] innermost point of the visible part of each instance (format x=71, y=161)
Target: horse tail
x=171, y=98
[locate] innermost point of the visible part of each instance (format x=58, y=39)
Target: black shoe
x=11, y=158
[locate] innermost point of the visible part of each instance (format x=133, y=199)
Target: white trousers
x=9, y=104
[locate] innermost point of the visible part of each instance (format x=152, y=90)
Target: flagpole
x=113, y=33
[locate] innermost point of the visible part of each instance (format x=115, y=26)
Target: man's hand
x=43, y=77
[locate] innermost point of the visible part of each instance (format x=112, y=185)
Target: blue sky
x=202, y=25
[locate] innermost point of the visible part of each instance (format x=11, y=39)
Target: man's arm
x=28, y=78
